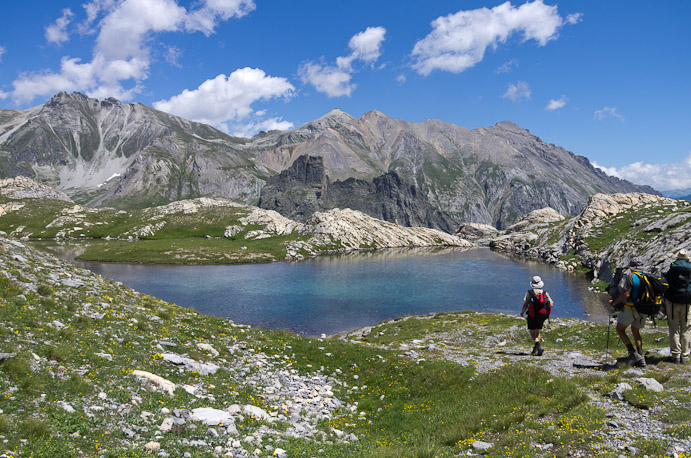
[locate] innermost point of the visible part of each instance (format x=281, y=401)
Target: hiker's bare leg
x=534, y=335
x=621, y=330
x=637, y=337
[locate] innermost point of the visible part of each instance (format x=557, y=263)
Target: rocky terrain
x=134, y=384
x=34, y=211
x=104, y=152
x=613, y=231
x=304, y=188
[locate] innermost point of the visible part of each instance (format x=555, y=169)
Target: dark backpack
x=679, y=279
x=539, y=306
x=648, y=293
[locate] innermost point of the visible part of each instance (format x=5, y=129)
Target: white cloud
x=458, y=41
x=329, y=79
x=207, y=17
x=574, y=18
x=226, y=99
x=57, y=33
x=663, y=177
x=607, y=112
x=517, y=92
x=556, y=104
x=173, y=55
x=334, y=80
x=506, y=67
x=401, y=79
x=251, y=129
x=3, y=50
x=121, y=55
x=366, y=45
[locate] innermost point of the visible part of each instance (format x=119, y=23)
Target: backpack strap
x=636, y=287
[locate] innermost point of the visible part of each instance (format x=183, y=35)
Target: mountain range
x=107, y=153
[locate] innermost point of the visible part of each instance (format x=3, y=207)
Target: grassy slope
x=195, y=238
x=423, y=408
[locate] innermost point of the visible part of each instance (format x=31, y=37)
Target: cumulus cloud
x=507, y=67
x=607, y=112
x=329, y=79
x=2, y=51
x=334, y=80
x=663, y=177
x=517, y=92
x=226, y=99
x=121, y=55
x=57, y=33
x=459, y=41
x=556, y=104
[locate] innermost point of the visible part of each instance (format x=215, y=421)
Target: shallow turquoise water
x=338, y=293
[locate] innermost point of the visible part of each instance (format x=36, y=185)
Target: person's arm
x=526, y=301
x=622, y=297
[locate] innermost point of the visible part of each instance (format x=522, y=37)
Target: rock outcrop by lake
x=613, y=230
x=26, y=188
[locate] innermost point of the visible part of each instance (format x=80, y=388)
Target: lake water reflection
x=330, y=294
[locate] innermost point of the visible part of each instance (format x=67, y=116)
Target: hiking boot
x=684, y=360
x=636, y=359
x=534, y=352
x=540, y=350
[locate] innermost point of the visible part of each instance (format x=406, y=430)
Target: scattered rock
x=152, y=446
x=650, y=384
x=165, y=385
x=480, y=445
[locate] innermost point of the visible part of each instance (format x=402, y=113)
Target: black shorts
x=535, y=323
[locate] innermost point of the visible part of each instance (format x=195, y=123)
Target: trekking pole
x=609, y=325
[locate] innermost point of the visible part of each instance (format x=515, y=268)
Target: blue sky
x=607, y=80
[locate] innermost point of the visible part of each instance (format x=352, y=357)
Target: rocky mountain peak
x=333, y=117
x=63, y=98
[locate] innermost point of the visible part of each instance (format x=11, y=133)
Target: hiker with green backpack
x=629, y=316
x=677, y=307
x=539, y=305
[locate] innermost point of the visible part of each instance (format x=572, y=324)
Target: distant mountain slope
x=127, y=155
x=679, y=194
x=490, y=175
x=130, y=156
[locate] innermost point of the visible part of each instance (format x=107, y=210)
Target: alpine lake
x=338, y=293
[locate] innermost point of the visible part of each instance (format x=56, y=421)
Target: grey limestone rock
x=304, y=188
x=618, y=391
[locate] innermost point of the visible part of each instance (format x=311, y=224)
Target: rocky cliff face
x=612, y=231
x=304, y=188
